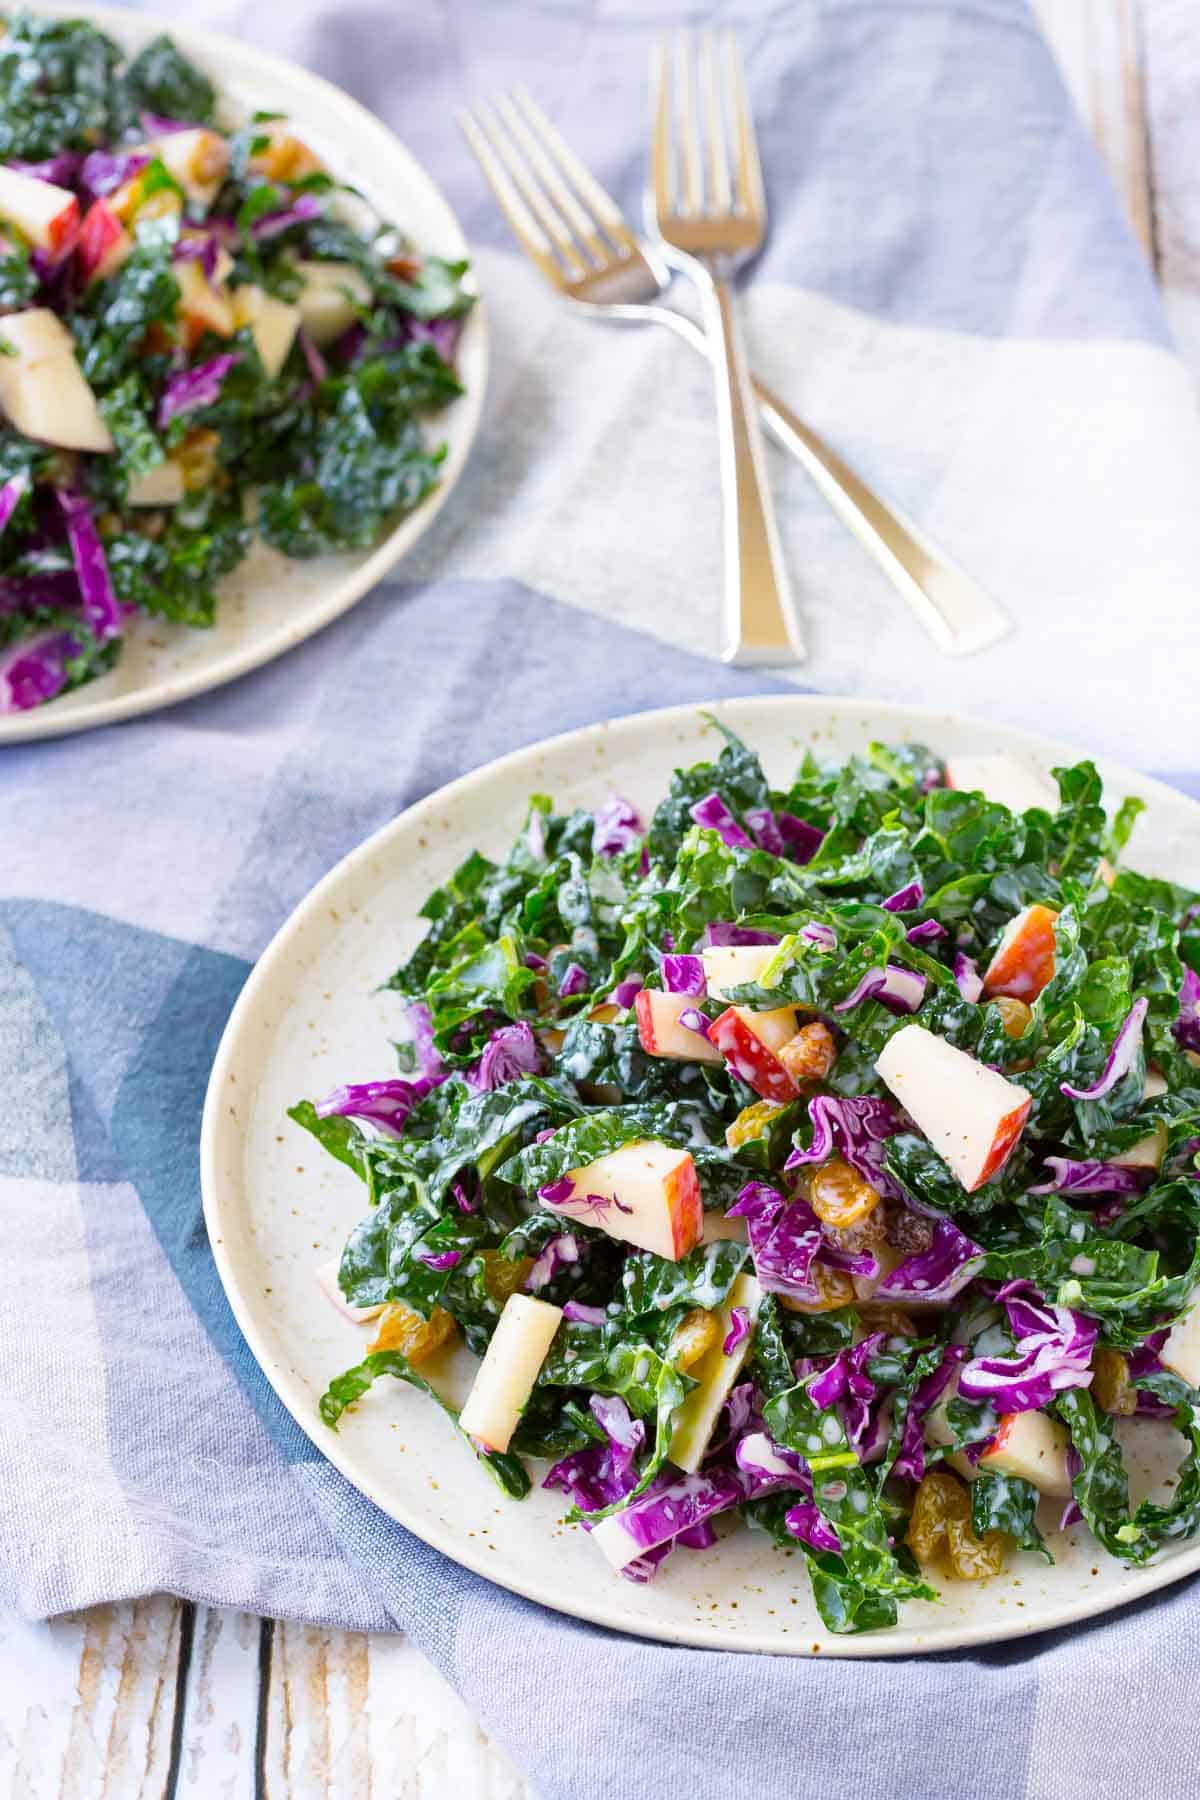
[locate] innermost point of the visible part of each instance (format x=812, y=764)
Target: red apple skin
x=64, y=228
x=103, y=242
x=685, y=1207
x=749, y=1057
x=1003, y=1144
x=1024, y=962
x=671, y=1005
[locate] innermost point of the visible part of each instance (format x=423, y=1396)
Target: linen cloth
x=950, y=293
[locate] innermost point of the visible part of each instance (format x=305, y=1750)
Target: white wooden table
x=162, y=1698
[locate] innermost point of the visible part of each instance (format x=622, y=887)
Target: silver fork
x=712, y=209
x=604, y=270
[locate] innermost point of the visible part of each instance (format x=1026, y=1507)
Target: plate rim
x=900, y=1641
x=41, y=722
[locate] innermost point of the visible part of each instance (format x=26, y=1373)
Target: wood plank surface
x=159, y=1698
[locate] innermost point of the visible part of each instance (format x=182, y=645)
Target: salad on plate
x=822, y=1159
x=205, y=337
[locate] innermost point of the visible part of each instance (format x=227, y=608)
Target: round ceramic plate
x=310, y=1016
x=271, y=603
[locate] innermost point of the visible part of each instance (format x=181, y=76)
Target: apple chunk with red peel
x=1023, y=962
x=42, y=388
x=999, y=777
x=971, y=1115
x=47, y=215
x=750, y=1042
x=511, y=1364
x=1033, y=1446
x=661, y=1032
x=103, y=243
x=645, y=1194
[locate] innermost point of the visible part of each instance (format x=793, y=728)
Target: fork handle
x=959, y=614
x=759, y=623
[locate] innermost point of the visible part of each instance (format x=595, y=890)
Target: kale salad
x=821, y=1159
x=200, y=342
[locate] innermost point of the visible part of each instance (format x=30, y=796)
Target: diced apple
x=327, y=1280
x=1148, y=1152
x=273, y=324
x=197, y=159
x=285, y=157
x=715, y=1374
x=42, y=388
x=330, y=298
x=645, y=1194
x=160, y=486
x=103, y=243
x=202, y=307
x=732, y=965
x=1001, y=778
x=663, y=1035
x=511, y=1364
x=750, y=1042
x=1181, y=1351
x=1033, y=1446
x=939, y=1432
x=971, y=1115
x=47, y=215
x=1023, y=961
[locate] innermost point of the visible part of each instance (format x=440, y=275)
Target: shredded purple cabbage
x=1121, y=1057
x=1068, y=1177
x=801, y=839
x=559, y=1250
x=936, y=1275
x=303, y=209
x=60, y=171
x=384, y=1104
x=927, y=932
x=823, y=936
x=900, y=990
x=723, y=934
x=626, y=991
x=509, y=1053
x=574, y=981
x=714, y=815
x=1053, y=1351
x=905, y=899
x=194, y=388
x=35, y=670
x=579, y=1314
x=1187, y=1025
x=684, y=975
x=739, y=1330
x=10, y=495
x=441, y=1260
x=617, y=829
x=910, y=1457
x=101, y=608
x=856, y=1130
x=103, y=171
x=785, y=1236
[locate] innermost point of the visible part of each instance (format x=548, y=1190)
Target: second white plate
x=271, y=602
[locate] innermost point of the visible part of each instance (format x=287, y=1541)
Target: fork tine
x=693, y=168
x=591, y=192
x=749, y=170
x=535, y=199
x=718, y=150
x=578, y=218
x=661, y=163
x=522, y=223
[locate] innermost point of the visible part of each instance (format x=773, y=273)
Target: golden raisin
x=503, y=1275
x=752, y=1122
x=1111, y=1386
x=969, y=1558
x=834, y=1288
x=402, y=1329
x=605, y=1014
x=839, y=1196
x=285, y=158
x=941, y=1497
x=811, y=1054
x=693, y=1337
x=197, y=457
x=1014, y=1015
x=887, y=1318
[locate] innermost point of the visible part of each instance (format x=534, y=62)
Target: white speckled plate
x=276, y=1205
x=271, y=603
